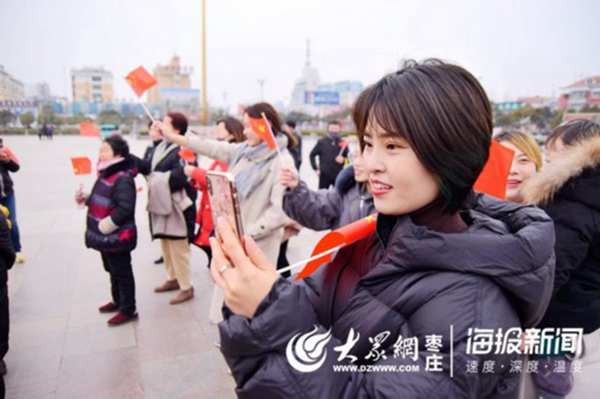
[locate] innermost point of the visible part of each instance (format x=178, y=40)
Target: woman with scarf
x=256, y=169
x=230, y=130
x=414, y=309
x=111, y=226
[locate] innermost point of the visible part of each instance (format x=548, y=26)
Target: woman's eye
x=365, y=144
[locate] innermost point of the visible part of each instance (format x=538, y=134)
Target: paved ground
x=60, y=346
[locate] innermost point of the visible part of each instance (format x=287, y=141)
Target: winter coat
x=569, y=191
x=170, y=162
x=113, y=200
x=7, y=252
x=332, y=208
x=167, y=209
x=204, y=218
x=6, y=182
x=327, y=149
x=262, y=214
x=496, y=274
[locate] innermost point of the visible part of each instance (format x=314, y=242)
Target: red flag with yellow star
x=81, y=165
x=140, y=80
x=261, y=127
x=339, y=238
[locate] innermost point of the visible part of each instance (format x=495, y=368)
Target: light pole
x=261, y=82
x=204, y=110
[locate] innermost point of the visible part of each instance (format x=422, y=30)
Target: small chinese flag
x=343, y=143
x=494, y=176
x=89, y=130
x=341, y=237
x=81, y=165
x=263, y=129
x=188, y=156
x=140, y=80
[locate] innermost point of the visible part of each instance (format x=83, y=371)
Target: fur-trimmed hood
x=576, y=176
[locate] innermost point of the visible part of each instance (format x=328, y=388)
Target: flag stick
x=305, y=261
x=146, y=109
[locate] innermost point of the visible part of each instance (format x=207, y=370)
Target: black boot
x=159, y=261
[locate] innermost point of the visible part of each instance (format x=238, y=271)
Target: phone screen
x=224, y=201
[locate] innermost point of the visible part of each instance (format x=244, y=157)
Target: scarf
x=248, y=179
x=105, y=165
x=160, y=152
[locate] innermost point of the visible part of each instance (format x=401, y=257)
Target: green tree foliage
x=109, y=116
x=7, y=117
x=27, y=119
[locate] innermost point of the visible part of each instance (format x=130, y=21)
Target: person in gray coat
x=349, y=201
x=430, y=305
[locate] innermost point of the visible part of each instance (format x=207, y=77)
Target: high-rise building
x=38, y=91
x=11, y=89
x=170, y=78
x=306, y=84
x=92, y=85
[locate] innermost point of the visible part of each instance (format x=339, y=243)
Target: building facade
x=584, y=93
x=92, y=85
x=169, y=77
x=11, y=89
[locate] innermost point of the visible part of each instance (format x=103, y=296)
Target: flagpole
x=146, y=109
x=305, y=261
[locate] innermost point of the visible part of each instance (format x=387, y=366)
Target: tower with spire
x=306, y=84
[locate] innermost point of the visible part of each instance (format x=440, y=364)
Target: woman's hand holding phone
x=245, y=279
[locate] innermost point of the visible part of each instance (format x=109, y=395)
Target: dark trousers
x=326, y=181
x=10, y=203
x=208, y=252
x=4, y=327
x=122, y=284
x=282, y=260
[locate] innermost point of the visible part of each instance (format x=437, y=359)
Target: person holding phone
x=443, y=262
x=230, y=130
x=10, y=164
x=256, y=169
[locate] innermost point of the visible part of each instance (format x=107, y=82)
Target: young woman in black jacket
x=396, y=314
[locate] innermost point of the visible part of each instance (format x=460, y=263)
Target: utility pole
x=204, y=110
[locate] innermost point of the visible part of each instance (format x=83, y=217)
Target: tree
x=6, y=118
x=27, y=119
x=298, y=117
x=109, y=117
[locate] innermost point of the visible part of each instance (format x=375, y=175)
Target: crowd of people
x=442, y=254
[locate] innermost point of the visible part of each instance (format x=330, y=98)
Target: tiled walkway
x=60, y=346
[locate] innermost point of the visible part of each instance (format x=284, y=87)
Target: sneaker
x=159, y=261
x=121, y=318
x=108, y=308
x=169, y=285
x=20, y=258
x=184, y=295
x=217, y=343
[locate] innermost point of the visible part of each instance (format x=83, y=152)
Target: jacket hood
x=575, y=177
x=510, y=244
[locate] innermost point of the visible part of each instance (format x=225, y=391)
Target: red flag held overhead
x=89, y=130
x=140, y=80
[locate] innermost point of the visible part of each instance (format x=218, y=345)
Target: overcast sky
x=517, y=47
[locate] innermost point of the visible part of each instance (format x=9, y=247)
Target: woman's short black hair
x=118, y=145
x=443, y=113
x=572, y=132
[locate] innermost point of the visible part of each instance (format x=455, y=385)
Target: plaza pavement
x=60, y=346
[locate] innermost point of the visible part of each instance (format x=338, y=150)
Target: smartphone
x=224, y=201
